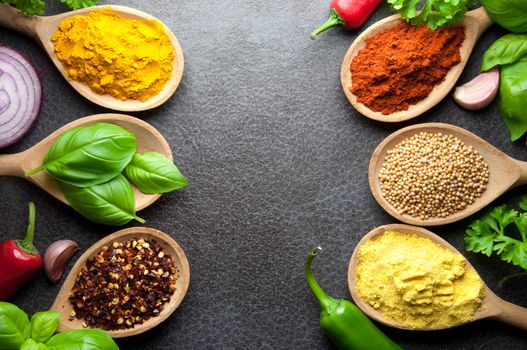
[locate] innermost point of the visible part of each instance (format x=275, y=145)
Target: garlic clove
x=479, y=92
x=57, y=257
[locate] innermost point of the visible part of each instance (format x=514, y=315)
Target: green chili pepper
x=344, y=324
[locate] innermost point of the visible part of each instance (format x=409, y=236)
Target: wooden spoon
x=492, y=307
x=148, y=139
x=475, y=22
x=41, y=28
x=505, y=172
x=64, y=307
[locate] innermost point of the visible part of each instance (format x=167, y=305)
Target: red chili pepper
x=350, y=13
x=19, y=260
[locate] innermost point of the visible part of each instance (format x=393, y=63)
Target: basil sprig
x=152, y=172
x=512, y=100
x=510, y=14
x=85, y=339
x=510, y=53
x=87, y=163
x=43, y=325
x=506, y=50
x=14, y=327
x=110, y=203
x=90, y=155
x=17, y=332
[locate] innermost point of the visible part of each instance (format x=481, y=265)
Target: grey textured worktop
x=277, y=163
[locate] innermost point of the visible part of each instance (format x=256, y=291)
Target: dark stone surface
x=277, y=162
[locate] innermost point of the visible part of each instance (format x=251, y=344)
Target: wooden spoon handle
x=522, y=180
x=482, y=18
x=512, y=314
x=11, y=164
x=11, y=18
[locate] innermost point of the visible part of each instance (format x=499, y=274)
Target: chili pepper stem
x=509, y=277
x=325, y=300
x=27, y=243
x=333, y=20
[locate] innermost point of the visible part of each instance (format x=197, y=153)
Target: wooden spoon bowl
x=64, y=307
x=475, y=22
x=492, y=307
x=505, y=172
x=41, y=28
x=148, y=139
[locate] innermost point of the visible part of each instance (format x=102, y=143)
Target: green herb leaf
x=78, y=4
x=521, y=223
x=507, y=49
x=435, y=13
x=512, y=99
x=511, y=251
x=152, y=172
x=523, y=203
x=510, y=14
x=30, y=344
x=504, y=216
x=43, y=325
x=479, y=238
x=82, y=339
x=14, y=327
x=88, y=156
x=28, y=7
x=110, y=203
x=488, y=235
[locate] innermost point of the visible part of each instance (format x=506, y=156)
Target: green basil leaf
x=88, y=156
x=14, y=326
x=110, y=203
x=152, y=172
x=82, y=339
x=507, y=49
x=510, y=14
x=512, y=100
x=43, y=325
x=30, y=344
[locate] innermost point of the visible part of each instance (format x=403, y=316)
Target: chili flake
x=125, y=284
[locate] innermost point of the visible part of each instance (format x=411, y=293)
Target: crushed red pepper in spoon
x=125, y=284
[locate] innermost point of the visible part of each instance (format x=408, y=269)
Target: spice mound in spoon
x=401, y=65
x=432, y=175
x=123, y=57
x=125, y=284
x=416, y=282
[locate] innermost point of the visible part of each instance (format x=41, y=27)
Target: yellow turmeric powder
x=416, y=282
x=126, y=58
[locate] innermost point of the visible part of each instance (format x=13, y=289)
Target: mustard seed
x=432, y=175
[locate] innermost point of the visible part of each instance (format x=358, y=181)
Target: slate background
x=277, y=162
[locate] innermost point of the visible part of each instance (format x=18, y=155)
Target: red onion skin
x=35, y=86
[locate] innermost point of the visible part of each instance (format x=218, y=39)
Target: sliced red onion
x=20, y=96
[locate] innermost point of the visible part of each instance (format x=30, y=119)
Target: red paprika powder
x=400, y=66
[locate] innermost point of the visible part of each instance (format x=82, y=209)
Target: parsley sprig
x=435, y=13
x=491, y=234
x=37, y=7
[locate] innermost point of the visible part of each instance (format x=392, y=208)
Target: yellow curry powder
x=126, y=58
x=416, y=282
